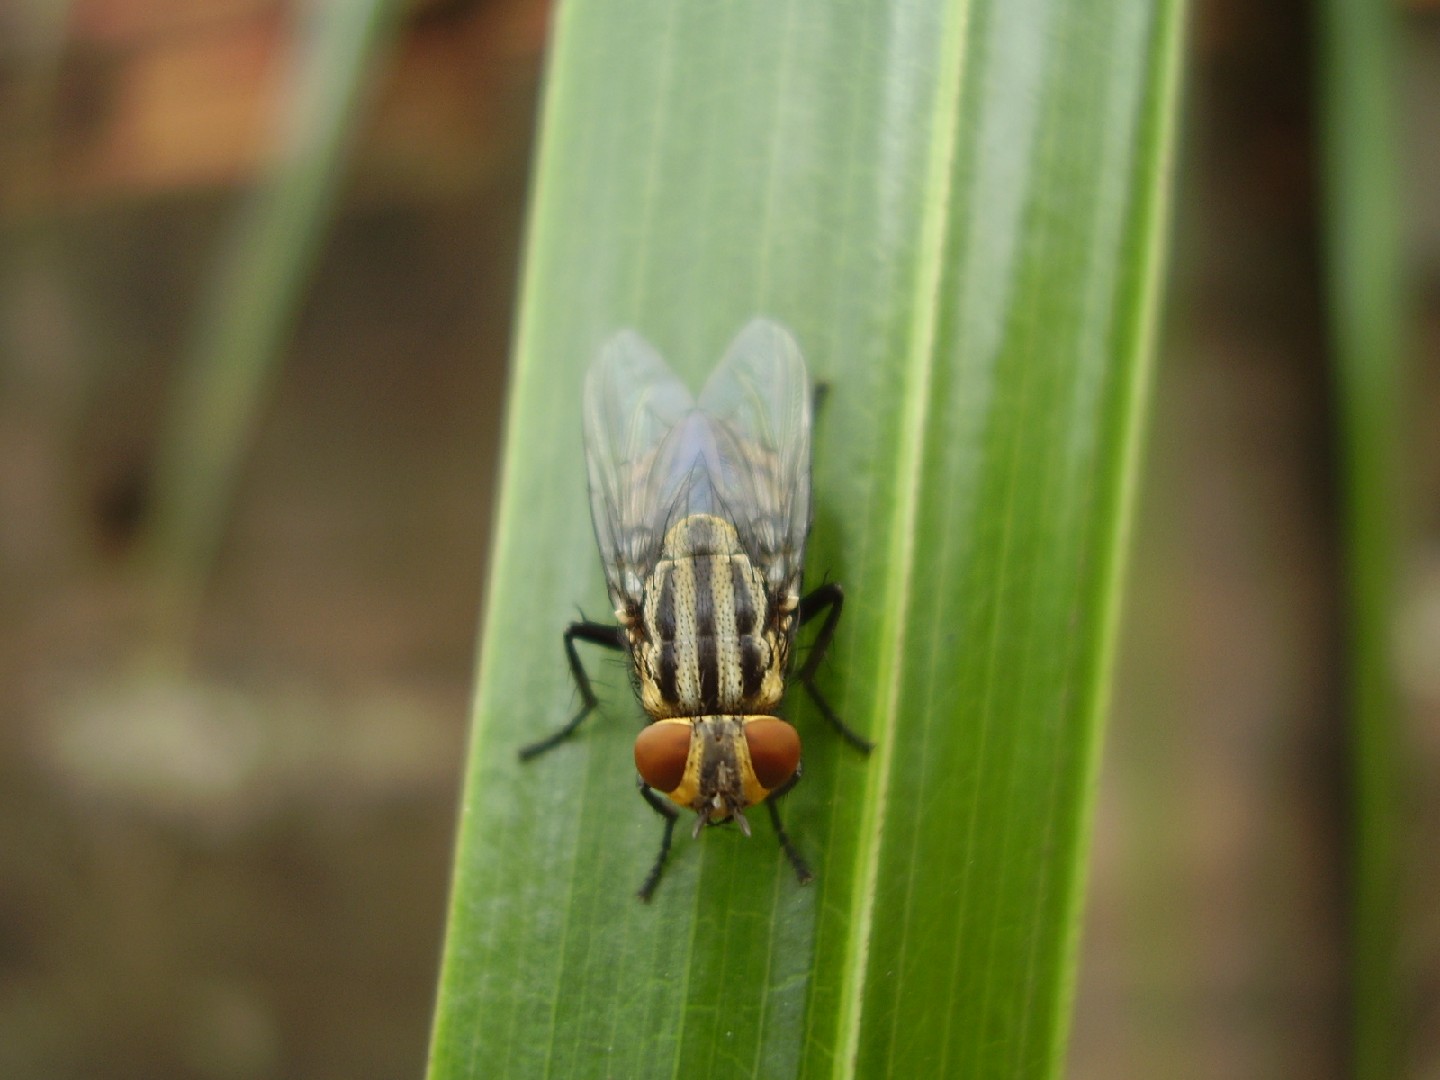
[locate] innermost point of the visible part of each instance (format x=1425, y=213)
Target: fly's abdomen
x=708, y=646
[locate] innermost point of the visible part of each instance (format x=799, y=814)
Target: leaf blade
x=765, y=184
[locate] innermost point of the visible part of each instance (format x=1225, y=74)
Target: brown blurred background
x=243, y=873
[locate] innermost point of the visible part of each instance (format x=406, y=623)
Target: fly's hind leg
x=802, y=869
x=829, y=598
x=671, y=815
x=611, y=637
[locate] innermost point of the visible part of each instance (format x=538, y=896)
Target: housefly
x=701, y=511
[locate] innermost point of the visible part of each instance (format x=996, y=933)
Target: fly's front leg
x=671, y=815
x=611, y=637
x=802, y=869
x=829, y=598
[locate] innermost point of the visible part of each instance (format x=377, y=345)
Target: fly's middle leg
x=671, y=815
x=829, y=598
x=611, y=637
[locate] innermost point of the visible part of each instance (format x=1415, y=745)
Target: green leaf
x=958, y=210
x=241, y=332
x=1367, y=314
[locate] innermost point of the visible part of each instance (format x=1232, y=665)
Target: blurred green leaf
x=958, y=209
x=1366, y=294
x=251, y=300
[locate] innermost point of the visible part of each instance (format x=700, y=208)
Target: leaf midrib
x=935, y=222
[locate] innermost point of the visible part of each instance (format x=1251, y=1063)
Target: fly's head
x=718, y=765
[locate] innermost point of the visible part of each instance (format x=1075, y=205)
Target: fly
x=701, y=511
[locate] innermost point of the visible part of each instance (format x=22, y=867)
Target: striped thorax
x=709, y=653
x=712, y=639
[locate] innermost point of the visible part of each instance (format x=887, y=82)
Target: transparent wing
x=632, y=402
x=743, y=454
x=757, y=404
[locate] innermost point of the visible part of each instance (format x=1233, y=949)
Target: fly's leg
x=611, y=637
x=671, y=815
x=818, y=396
x=802, y=871
x=829, y=598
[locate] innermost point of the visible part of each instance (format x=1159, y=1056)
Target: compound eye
x=661, y=751
x=774, y=750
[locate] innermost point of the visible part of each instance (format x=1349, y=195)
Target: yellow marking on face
x=732, y=755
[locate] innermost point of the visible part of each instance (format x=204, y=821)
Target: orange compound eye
x=774, y=750
x=661, y=751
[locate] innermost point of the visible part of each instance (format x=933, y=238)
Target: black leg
x=802, y=871
x=830, y=598
x=817, y=399
x=611, y=637
x=671, y=815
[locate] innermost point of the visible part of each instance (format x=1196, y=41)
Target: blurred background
x=231, y=733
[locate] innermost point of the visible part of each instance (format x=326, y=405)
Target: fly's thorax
x=718, y=765
x=711, y=639
x=701, y=534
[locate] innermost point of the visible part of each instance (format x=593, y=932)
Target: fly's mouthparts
x=740, y=819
